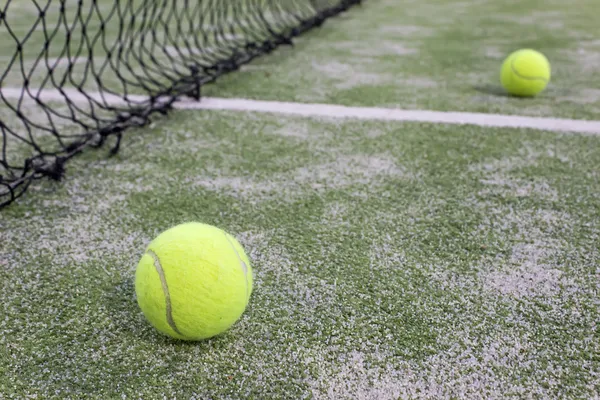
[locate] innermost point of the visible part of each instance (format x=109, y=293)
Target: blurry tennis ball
x=525, y=73
x=193, y=282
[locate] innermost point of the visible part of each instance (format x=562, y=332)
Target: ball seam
x=516, y=72
x=242, y=263
x=165, y=288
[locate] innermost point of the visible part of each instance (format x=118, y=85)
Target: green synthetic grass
x=440, y=55
x=391, y=260
x=151, y=44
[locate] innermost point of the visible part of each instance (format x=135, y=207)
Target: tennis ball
x=193, y=282
x=525, y=73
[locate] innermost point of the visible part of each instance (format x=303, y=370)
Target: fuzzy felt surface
x=193, y=282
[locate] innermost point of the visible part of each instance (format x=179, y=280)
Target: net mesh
x=75, y=73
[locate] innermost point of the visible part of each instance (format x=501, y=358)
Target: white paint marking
x=66, y=61
x=335, y=111
x=72, y=94
x=194, y=52
x=390, y=114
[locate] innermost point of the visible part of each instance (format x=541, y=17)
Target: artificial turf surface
x=391, y=260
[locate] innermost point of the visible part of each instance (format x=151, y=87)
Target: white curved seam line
x=242, y=263
x=527, y=78
x=165, y=288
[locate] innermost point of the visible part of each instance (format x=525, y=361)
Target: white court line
x=196, y=52
x=336, y=111
x=395, y=114
x=72, y=94
x=65, y=61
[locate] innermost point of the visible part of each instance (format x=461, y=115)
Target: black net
x=74, y=73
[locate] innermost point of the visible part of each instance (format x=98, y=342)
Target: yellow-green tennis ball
x=193, y=282
x=525, y=73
